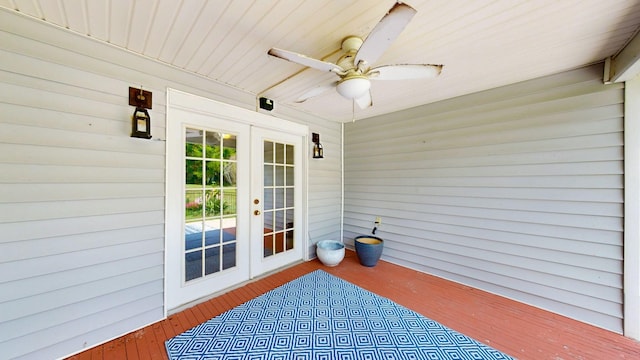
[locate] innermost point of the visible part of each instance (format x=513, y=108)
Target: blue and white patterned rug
x=319, y=316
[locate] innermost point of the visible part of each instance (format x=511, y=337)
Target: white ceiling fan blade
x=404, y=72
x=365, y=100
x=318, y=90
x=385, y=33
x=304, y=60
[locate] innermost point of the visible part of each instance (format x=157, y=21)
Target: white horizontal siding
x=117, y=318
x=516, y=190
x=82, y=204
x=325, y=187
x=43, y=283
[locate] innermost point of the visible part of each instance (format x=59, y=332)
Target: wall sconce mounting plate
x=140, y=98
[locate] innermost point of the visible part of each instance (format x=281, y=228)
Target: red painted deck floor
x=519, y=330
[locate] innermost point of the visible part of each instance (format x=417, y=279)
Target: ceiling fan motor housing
x=351, y=43
x=350, y=46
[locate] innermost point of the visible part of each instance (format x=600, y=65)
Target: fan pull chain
x=353, y=110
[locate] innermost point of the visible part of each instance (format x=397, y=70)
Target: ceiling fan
x=354, y=66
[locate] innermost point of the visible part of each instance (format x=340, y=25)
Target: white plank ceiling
x=482, y=43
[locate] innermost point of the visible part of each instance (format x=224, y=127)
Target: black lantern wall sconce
x=318, y=152
x=140, y=121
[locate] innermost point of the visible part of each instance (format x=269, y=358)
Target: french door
x=235, y=206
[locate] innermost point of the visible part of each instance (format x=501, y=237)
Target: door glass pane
x=268, y=152
x=268, y=244
x=279, y=153
x=193, y=139
x=229, y=201
x=289, y=240
x=289, y=177
x=278, y=198
x=289, y=197
x=229, y=149
x=212, y=237
x=212, y=260
x=212, y=145
x=193, y=265
x=279, y=220
x=193, y=172
x=229, y=173
x=193, y=240
x=289, y=219
x=228, y=256
x=268, y=175
x=212, y=174
x=210, y=202
x=268, y=221
x=279, y=169
x=289, y=155
x=279, y=238
x=268, y=199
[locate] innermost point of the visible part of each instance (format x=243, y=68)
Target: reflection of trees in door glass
x=210, y=202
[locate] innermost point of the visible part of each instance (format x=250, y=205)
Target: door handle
x=256, y=212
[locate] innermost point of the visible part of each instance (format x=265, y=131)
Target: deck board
x=515, y=328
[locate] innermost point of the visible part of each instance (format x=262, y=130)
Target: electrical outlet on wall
x=378, y=220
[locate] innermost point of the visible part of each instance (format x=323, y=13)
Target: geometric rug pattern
x=322, y=317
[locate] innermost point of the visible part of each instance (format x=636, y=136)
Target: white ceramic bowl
x=330, y=252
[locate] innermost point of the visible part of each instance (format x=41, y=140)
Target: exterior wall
x=632, y=208
x=326, y=181
x=517, y=191
x=82, y=205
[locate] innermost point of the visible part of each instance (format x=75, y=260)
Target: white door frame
x=178, y=100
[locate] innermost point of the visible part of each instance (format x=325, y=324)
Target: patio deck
x=517, y=329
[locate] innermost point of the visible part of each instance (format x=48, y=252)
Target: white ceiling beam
x=625, y=65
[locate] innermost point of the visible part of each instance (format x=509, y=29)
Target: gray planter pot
x=368, y=249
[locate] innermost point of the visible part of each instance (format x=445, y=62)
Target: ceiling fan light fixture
x=353, y=87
